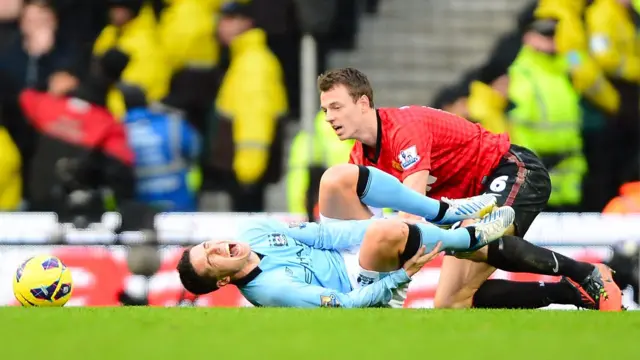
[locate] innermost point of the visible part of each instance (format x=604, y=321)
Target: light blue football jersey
x=302, y=266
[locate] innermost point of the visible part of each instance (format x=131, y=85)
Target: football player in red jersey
x=445, y=156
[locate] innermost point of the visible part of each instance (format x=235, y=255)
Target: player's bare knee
x=339, y=178
x=386, y=236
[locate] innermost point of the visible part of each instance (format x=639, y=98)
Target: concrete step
x=414, y=47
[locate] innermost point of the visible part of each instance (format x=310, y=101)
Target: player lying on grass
x=435, y=152
x=341, y=263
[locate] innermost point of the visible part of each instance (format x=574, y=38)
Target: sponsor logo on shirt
x=409, y=157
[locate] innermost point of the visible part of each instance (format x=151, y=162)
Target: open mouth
x=234, y=250
x=336, y=127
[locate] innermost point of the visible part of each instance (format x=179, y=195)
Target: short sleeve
x=412, y=147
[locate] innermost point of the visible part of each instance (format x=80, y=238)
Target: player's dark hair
x=192, y=282
x=354, y=80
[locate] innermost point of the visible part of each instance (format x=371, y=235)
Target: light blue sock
x=457, y=239
x=383, y=190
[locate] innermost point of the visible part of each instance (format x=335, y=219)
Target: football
x=42, y=281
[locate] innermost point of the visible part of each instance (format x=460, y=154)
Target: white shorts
x=351, y=260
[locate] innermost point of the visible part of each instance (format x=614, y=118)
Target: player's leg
x=338, y=199
x=523, y=182
x=460, y=279
x=514, y=254
x=388, y=243
x=375, y=188
x=464, y=284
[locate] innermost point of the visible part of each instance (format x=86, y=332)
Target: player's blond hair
x=354, y=80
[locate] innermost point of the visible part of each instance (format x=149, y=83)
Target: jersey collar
x=250, y=276
x=365, y=149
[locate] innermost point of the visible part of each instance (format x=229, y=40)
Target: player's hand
x=413, y=265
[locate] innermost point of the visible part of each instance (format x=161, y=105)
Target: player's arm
x=418, y=181
x=334, y=235
x=302, y=295
x=412, y=147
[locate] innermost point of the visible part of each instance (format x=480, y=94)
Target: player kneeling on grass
x=354, y=263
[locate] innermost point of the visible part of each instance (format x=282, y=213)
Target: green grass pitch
x=324, y=334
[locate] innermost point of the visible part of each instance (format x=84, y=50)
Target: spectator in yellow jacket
x=613, y=39
x=250, y=104
x=186, y=31
x=600, y=102
x=132, y=30
x=613, y=43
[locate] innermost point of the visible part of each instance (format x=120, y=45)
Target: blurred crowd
x=142, y=105
x=564, y=83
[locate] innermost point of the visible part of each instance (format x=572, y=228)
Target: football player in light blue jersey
x=334, y=264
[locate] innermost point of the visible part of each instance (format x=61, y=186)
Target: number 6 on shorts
x=499, y=184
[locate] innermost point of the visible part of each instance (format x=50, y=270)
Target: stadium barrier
x=97, y=257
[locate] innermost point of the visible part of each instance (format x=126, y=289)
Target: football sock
x=505, y=294
x=430, y=235
x=378, y=189
x=514, y=254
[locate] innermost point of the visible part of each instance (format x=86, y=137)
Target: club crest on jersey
x=329, y=301
x=396, y=165
x=408, y=157
x=277, y=240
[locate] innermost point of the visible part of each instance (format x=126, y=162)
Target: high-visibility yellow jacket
x=613, y=39
x=253, y=99
x=147, y=68
x=187, y=33
x=587, y=76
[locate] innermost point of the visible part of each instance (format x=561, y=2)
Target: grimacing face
x=343, y=113
x=220, y=259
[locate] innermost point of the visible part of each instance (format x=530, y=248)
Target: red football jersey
x=457, y=153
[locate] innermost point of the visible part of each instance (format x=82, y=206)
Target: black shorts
x=521, y=181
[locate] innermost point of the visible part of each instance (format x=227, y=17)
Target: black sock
x=472, y=236
x=441, y=212
x=504, y=294
x=515, y=254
